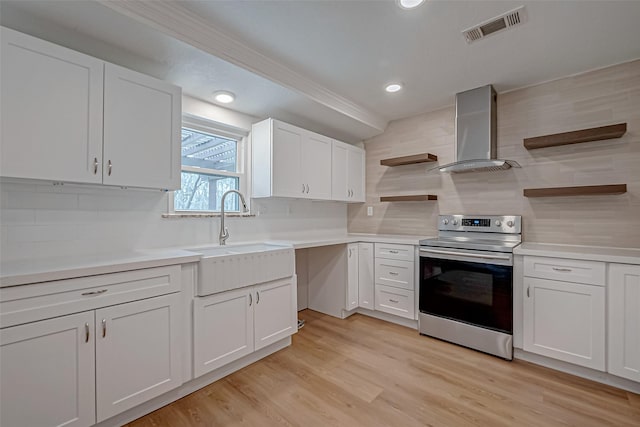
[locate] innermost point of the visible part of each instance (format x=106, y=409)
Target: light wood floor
x=366, y=372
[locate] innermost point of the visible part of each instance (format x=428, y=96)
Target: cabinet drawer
x=398, y=274
x=28, y=303
x=566, y=270
x=395, y=301
x=392, y=251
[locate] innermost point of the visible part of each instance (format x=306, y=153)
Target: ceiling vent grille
x=494, y=25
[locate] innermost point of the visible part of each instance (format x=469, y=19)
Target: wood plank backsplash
x=596, y=98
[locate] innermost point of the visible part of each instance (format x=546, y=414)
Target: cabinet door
x=275, y=311
x=365, y=276
x=137, y=353
x=287, y=172
x=355, y=174
x=316, y=166
x=339, y=188
x=51, y=111
x=565, y=321
x=352, y=276
x=223, y=329
x=142, y=120
x=47, y=373
x=623, y=289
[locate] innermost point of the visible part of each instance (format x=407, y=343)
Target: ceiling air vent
x=494, y=25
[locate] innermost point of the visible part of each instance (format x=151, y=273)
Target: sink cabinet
x=234, y=324
x=120, y=350
x=101, y=124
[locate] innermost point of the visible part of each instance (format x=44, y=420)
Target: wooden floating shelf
x=576, y=137
x=589, y=190
x=409, y=160
x=415, y=198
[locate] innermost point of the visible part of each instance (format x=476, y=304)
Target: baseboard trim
x=409, y=323
x=193, y=385
x=579, y=371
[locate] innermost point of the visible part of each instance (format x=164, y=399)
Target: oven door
x=472, y=287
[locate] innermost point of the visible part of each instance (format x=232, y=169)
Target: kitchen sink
x=224, y=268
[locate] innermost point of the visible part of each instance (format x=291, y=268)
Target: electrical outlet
x=369, y=210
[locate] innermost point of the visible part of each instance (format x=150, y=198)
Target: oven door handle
x=464, y=254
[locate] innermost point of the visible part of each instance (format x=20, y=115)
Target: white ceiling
x=328, y=61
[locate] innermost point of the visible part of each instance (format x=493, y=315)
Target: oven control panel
x=511, y=224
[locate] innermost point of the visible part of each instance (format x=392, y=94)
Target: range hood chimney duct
x=476, y=119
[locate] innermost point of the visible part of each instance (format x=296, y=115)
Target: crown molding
x=174, y=20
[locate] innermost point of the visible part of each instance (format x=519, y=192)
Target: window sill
x=207, y=215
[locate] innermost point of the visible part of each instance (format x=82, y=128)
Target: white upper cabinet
x=347, y=172
x=70, y=117
x=142, y=120
x=51, y=111
x=316, y=166
x=292, y=162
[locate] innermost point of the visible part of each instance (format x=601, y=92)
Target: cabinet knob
x=257, y=297
x=104, y=328
x=109, y=167
x=95, y=165
x=250, y=299
x=86, y=332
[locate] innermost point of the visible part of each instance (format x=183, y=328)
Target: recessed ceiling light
x=393, y=87
x=224, y=96
x=409, y=4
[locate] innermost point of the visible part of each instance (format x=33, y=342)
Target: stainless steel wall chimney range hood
x=476, y=133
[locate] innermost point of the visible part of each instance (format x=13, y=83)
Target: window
x=212, y=163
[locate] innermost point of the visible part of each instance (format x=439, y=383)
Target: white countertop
x=47, y=269
x=350, y=238
x=587, y=253
x=58, y=268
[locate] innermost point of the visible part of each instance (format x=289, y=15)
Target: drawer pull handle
x=395, y=301
x=393, y=273
x=101, y=291
x=528, y=288
x=86, y=332
x=393, y=252
x=95, y=165
x=561, y=269
x=104, y=328
x=109, y=167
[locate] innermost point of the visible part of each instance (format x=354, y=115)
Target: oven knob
x=498, y=223
x=455, y=222
x=445, y=221
x=510, y=223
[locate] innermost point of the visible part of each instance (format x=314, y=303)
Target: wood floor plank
x=362, y=371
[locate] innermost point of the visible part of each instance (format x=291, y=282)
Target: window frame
x=241, y=137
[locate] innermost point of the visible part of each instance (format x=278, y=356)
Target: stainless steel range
x=466, y=282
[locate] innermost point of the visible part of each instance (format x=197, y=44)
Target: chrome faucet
x=224, y=232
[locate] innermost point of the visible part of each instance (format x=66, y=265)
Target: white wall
x=43, y=220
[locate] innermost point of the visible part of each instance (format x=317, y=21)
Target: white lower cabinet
x=138, y=353
x=352, y=276
x=624, y=321
x=122, y=348
x=233, y=324
x=365, y=276
x=48, y=373
x=565, y=321
x=395, y=279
